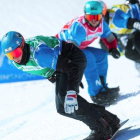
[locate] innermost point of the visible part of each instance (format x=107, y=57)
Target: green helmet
x=93, y=8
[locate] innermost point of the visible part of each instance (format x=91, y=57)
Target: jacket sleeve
x=106, y=30
x=107, y=37
x=76, y=33
x=120, y=19
x=110, y=42
x=45, y=57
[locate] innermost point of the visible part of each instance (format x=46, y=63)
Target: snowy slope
x=27, y=109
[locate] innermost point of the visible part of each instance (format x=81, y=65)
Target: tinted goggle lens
x=15, y=53
x=95, y=17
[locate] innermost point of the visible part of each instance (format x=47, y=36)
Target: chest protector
x=91, y=32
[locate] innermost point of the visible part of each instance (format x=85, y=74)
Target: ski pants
x=97, y=65
x=84, y=108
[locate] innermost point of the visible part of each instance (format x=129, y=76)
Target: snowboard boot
x=100, y=129
x=114, y=91
x=104, y=98
x=112, y=120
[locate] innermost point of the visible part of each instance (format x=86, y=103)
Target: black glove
x=55, y=76
x=114, y=52
x=133, y=24
x=52, y=79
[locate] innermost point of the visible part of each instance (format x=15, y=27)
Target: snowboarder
x=46, y=56
x=82, y=31
x=124, y=22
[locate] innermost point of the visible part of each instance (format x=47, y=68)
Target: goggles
x=17, y=52
x=95, y=17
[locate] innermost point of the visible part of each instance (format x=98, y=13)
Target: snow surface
x=27, y=109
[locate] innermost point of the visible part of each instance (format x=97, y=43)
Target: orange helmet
x=104, y=6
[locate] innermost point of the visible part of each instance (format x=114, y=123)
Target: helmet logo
x=93, y=8
x=8, y=49
x=17, y=42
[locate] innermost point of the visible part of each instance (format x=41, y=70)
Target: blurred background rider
x=124, y=22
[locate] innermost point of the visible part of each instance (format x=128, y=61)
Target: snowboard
x=117, y=132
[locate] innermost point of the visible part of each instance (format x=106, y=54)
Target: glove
x=114, y=52
x=70, y=102
x=52, y=79
x=55, y=76
x=136, y=25
x=133, y=24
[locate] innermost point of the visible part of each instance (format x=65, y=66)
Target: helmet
x=104, y=8
x=11, y=41
x=132, y=1
x=95, y=8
